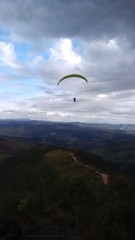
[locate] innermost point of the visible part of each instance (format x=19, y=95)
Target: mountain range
x=114, y=143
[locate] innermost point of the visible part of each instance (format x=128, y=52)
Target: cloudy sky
x=43, y=40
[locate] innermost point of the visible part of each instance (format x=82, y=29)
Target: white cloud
x=63, y=50
x=8, y=55
x=105, y=45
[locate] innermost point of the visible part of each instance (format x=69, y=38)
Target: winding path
x=104, y=177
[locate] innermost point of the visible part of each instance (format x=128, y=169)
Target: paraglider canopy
x=70, y=76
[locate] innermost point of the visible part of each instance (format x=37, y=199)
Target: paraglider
x=70, y=76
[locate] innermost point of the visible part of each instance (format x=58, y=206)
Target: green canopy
x=70, y=76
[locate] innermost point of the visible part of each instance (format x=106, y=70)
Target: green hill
x=11, y=145
x=48, y=193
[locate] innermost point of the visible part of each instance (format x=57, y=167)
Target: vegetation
x=92, y=160
x=43, y=187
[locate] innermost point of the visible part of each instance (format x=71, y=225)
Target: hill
x=47, y=193
x=114, y=143
x=10, y=146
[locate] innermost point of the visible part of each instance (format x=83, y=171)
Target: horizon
x=64, y=122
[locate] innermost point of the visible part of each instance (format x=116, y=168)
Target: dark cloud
x=40, y=19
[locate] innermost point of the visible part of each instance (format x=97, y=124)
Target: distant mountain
x=34, y=128
x=114, y=143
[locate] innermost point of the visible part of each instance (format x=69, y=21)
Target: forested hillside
x=47, y=193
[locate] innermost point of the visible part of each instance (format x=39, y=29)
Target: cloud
x=65, y=52
x=8, y=55
x=109, y=65
x=105, y=94
x=43, y=40
x=38, y=20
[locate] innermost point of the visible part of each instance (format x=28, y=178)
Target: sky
x=43, y=40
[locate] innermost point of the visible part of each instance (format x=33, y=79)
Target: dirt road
x=104, y=177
